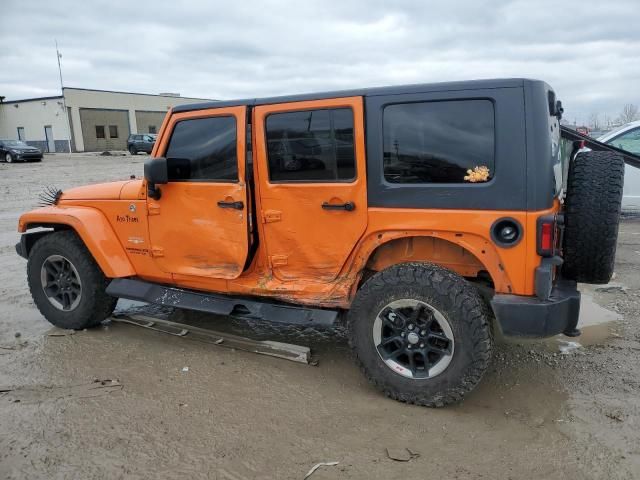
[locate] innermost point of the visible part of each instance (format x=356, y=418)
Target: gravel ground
x=118, y=402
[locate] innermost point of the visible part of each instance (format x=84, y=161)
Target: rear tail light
x=547, y=236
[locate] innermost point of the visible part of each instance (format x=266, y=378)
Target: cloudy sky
x=589, y=51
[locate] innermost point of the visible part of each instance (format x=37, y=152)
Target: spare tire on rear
x=592, y=215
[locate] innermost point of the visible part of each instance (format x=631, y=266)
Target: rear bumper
x=532, y=317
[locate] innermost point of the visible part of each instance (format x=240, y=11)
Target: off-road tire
x=461, y=305
x=133, y=150
x=95, y=305
x=592, y=216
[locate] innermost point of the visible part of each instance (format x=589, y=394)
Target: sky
x=589, y=51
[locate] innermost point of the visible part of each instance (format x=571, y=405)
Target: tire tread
x=464, y=299
x=592, y=215
x=97, y=305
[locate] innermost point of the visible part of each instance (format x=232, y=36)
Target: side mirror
x=155, y=173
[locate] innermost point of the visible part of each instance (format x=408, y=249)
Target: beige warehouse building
x=95, y=120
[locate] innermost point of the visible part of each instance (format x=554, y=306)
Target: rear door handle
x=234, y=205
x=349, y=206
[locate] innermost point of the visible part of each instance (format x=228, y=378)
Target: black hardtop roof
x=368, y=92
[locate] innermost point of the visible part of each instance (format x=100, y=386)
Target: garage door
x=104, y=129
x=149, y=122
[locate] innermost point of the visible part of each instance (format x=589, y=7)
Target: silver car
x=627, y=137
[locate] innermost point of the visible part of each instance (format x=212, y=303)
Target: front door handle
x=234, y=205
x=349, y=206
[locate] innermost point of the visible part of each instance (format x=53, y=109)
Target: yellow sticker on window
x=478, y=174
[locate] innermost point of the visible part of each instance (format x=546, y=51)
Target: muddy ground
x=117, y=402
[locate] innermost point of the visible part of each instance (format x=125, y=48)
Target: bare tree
x=629, y=113
x=594, y=121
x=607, y=121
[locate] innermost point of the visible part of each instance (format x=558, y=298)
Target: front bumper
x=21, y=247
x=532, y=317
x=28, y=156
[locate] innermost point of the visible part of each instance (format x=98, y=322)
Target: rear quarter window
x=439, y=141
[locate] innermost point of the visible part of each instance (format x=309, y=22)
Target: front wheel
x=8, y=158
x=421, y=334
x=66, y=284
x=133, y=150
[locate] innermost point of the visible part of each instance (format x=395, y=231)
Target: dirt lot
x=539, y=412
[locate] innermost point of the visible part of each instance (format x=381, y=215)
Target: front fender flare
x=92, y=227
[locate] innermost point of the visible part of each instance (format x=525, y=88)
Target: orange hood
x=101, y=191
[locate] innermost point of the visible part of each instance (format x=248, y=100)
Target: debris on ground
x=401, y=454
x=185, y=369
x=567, y=348
x=60, y=332
x=287, y=351
x=617, y=416
x=317, y=466
x=42, y=393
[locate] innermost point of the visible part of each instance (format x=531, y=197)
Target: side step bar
x=295, y=353
x=220, y=304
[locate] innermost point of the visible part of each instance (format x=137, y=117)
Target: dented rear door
x=198, y=227
x=311, y=172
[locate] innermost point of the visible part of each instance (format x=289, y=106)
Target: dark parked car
x=140, y=143
x=17, y=150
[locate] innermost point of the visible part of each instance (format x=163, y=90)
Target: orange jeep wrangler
x=425, y=215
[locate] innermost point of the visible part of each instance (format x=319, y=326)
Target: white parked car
x=627, y=137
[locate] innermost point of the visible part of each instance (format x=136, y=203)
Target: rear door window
x=439, y=142
x=203, y=149
x=311, y=146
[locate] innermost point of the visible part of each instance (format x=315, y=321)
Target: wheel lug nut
x=422, y=345
x=410, y=327
x=423, y=332
x=409, y=347
x=402, y=334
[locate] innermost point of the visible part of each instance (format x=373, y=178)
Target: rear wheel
x=133, y=150
x=66, y=284
x=421, y=334
x=8, y=158
x=592, y=215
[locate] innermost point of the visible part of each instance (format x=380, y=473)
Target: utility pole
x=64, y=100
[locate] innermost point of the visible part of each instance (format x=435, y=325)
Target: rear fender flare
x=94, y=230
x=477, y=246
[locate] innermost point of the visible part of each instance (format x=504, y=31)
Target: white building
x=96, y=120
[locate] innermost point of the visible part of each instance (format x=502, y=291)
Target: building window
x=152, y=129
x=311, y=146
x=113, y=131
x=21, y=133
x=203, y=149
x=99, y=131
x=438, y=142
